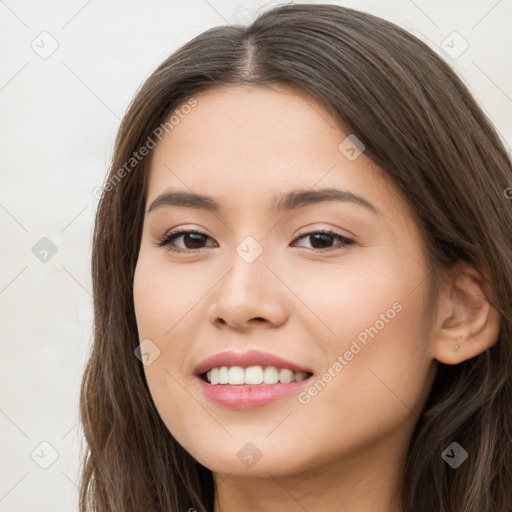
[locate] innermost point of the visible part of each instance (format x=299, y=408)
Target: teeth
x=286, y=376
x=223, y=375
x=254, y=375
x=236, y=375
x=271, y=375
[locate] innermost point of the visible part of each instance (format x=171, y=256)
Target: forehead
x=243, y=143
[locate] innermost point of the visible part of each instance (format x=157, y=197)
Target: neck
x=362, y=482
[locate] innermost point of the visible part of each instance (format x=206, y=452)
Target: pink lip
x=246, y=359
x=249, y=397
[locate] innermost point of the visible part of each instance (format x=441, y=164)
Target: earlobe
x=467, y=323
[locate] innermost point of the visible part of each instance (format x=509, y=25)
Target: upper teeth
x=252, y=375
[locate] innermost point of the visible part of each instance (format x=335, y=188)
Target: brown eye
x=322, y=240
x=192, y=240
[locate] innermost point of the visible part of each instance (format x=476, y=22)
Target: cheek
x=370, y=323
x=164, y=298
x=378, y=371
x=164, y=294
x=375, y=383
x=350, y=295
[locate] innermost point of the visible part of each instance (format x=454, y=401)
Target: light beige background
x=59, y=114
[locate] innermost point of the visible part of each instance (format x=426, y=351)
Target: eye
x=321, y=239
x=194, y=239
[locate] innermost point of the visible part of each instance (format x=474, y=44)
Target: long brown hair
x=421, y=125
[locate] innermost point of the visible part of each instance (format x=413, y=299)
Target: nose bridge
x=248, y=266
x=249, y=289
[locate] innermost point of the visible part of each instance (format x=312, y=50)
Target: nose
x=249, y=295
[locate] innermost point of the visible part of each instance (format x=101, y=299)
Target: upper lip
x=246, y=359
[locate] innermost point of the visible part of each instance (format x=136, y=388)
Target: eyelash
x=170, y=236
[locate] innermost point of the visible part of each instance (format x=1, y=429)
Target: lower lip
x=247, y=396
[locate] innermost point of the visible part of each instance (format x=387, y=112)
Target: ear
x=467, y=323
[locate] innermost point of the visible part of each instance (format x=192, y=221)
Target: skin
x=345, y=447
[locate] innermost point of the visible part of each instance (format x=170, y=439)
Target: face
x=334, y=284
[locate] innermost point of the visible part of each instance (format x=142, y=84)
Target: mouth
x=257, y=375
x=251, y=379
x=239, y=388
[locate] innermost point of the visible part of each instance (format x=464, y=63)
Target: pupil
x=326, y=238
x=192, y=235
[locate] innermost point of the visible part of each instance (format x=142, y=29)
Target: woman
x=235, y=368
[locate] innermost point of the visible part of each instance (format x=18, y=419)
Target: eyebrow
x=293, y=200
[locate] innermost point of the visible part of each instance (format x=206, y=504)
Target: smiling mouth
x=252, y=375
